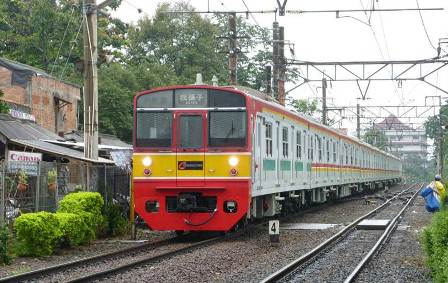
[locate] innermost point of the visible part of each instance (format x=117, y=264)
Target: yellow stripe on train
x=191, y=165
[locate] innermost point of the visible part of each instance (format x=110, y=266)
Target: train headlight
x=233, y=161
x=147, y=161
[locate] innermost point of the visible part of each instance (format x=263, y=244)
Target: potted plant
x=22, y=183
x=51, y=179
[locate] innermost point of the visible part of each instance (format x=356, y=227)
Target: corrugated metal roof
x=105, y=139
x=13, y=128
x=31, y=135
x=50, y=148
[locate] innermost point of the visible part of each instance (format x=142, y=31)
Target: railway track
x=346, y=250
x=103, y=265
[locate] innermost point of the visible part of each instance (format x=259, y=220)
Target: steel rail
x=385, y=236
x=283, y=272
x=98, y=275
x=57, y=268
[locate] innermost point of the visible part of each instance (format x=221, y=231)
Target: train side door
x=258, y=150
x=190, y=136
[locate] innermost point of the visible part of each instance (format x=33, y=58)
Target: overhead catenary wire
x=424, y=26
x=250, y=13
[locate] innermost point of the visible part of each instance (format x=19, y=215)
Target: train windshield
x=154, y=129
x=227, y=128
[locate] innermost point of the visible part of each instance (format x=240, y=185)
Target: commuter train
x=210, y=158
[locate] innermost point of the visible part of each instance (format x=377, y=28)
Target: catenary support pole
x=324, y=101
x=233, y=52
x=282, y=67
x=358, y=121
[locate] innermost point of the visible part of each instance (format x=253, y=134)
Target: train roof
x=258, y=95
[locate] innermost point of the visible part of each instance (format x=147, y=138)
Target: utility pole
x=90, y=80
x=440, y=144
x=358, y=121
x=275, y=59
x=282, y=69
x=267, y=77
x=232, y=49
x=324, y=101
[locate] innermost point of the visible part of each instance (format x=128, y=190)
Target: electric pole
x=324, y=101
x=440, y=144
x=267, y=77
x=282, y=69
x=275, y=59
x=232, y=49
x=90, y=92
x=358, y=121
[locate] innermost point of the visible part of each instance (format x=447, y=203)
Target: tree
x=4, y=107
x=376, y=138
x=436, y=127
x=304, y=106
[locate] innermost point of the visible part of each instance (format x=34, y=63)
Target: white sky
x=323, y=37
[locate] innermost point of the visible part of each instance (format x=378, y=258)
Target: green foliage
x=417, y=169
x=51, y=176
x=4, y=107
x=22, y=177
x=435, y=242
x=116, y=223
x=74, y=228
x=5, y=256
x=376, y=138
x=37, y=233
x=304, y=106
x=86, y=204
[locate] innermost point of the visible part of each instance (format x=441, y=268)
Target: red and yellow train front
x=191, y=163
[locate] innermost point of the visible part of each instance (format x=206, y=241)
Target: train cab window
x=219, y=98
x=159, y=99
x=153, y=129
x=285, y=143
x=227, y=128
x=190, y=131
x=268, y=138
x=299, y=144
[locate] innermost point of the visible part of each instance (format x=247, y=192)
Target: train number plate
x=190, y=165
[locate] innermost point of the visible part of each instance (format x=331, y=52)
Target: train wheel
x=180, y=233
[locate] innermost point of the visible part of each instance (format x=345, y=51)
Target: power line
x=362, y=10
x=62, y=41
x=248, y=10
x=424, y=26
x=71, y=49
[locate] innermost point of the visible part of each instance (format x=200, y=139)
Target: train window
x=153, y=129
x=311, y=149
x=227, y=128
x=334, y=151
x=328, y=150
x=285, y=143
x=219, y=98
x=190, y=131
x=160, y=99
x=319, y=147
x=299, y=144
x=268, y=137
x=190, y=98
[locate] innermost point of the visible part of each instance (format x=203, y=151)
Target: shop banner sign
x=28, y=162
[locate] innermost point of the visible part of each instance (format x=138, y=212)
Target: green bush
x=116, y=223
x=74, y=228
x=5, y=256
x=435, y=242
x=37, y=233
x=86, y=204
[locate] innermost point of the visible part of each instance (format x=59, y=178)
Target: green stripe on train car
x=298, y=166
x=285, y=165
x=268, y=164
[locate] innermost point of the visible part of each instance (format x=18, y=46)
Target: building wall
x=39, y=98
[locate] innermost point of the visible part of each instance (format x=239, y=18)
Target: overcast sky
x=323, y=37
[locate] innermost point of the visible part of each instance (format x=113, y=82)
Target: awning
x=57, y=150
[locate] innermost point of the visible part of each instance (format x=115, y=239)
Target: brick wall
x=40, y=97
